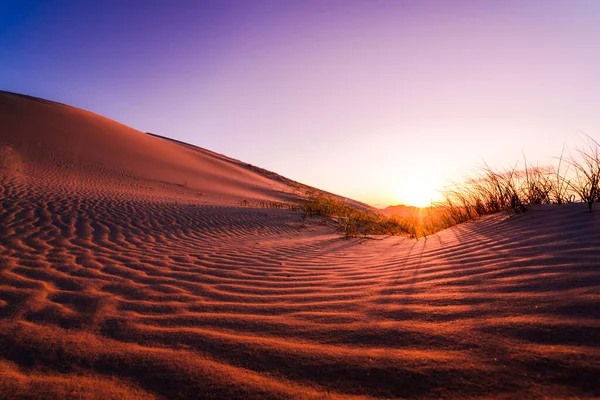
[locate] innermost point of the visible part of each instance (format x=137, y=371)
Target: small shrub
x=353, y=222
x=587, y=173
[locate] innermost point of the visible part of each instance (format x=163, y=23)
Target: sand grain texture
x=127, y=271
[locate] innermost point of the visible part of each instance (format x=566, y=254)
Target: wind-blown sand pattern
x=117, y=280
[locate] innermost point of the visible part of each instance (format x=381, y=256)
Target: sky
x=381, y=101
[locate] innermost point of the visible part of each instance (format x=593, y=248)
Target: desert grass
x=351, y=221
x=586, y=163
x=354, y=222
x=572, y=178
x=276, y=205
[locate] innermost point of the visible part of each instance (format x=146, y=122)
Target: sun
x=419, y=191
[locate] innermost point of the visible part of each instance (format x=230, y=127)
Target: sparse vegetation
x=586, y=182
x=354, y=222
x=269, y=204
x=351, y=221
x=514, y=190
x=571, y=179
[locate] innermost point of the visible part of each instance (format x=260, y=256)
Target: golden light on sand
x=131, y=269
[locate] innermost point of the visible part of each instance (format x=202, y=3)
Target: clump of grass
x=514, y=190
x=560, y=191
x=490, y=192
x=277, y=205
x=351, y=221
x=586, y=182
x=537, y=185
x=354, y=222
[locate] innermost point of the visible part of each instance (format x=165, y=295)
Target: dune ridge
x=116, y=282
x=78, y=148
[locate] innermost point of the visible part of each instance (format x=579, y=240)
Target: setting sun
x=299, y=199
x=417, y=190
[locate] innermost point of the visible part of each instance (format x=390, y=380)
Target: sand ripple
x=141, y=298
x=124, y=275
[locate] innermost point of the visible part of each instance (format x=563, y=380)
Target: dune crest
x=70, y=145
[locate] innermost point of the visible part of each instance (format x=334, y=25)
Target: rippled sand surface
x=117, y=280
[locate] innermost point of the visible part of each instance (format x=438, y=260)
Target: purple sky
x=382, y=101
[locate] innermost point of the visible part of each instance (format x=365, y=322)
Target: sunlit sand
x=128, y=269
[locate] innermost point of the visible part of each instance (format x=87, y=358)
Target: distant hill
x=400, y=210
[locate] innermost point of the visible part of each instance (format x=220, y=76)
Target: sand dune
x=117, y=282
x=40, y=137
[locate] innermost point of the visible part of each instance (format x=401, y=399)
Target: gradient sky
x=374, y=100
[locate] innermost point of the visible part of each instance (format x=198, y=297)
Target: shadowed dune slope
x=110, y=290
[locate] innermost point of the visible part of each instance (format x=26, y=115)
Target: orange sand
x=128, y=271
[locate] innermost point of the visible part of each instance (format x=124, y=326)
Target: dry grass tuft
x=514, y=190
x=572, y=179
x=354, y=222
